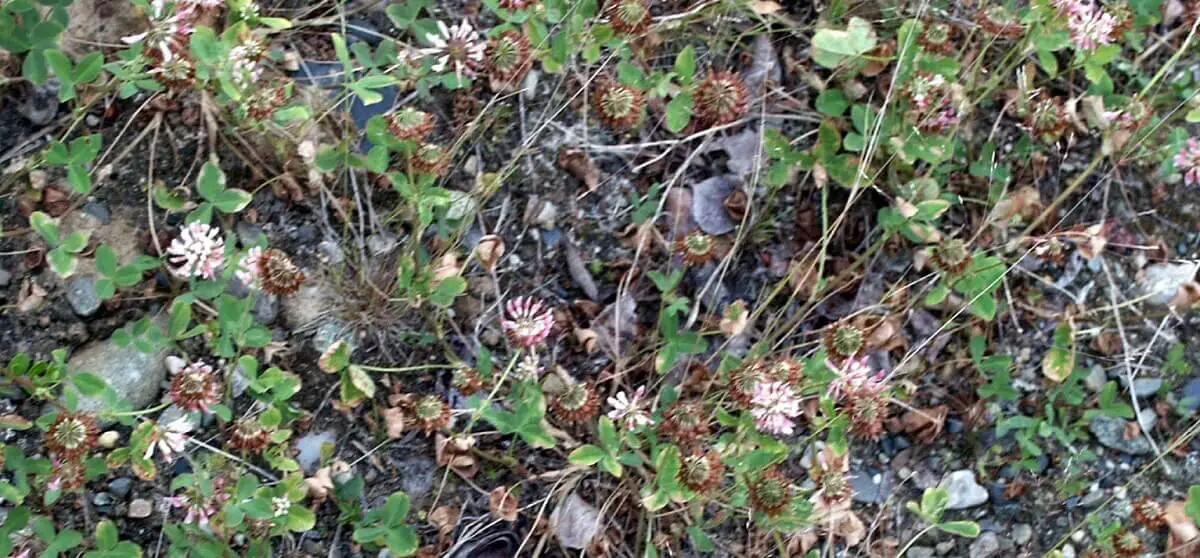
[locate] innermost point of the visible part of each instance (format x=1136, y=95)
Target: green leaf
x=685, y=64
x=60, y=65
x=679, y=112
x=933, y=502
x=106, y=260
x=700, y=540
x=984, y=307
x=75, y=242
x=205, y=45
x=832, y=47
x=361, y=380
x=608, y=434
x=232, y=200
x=586, y=455
x=89, y=68
x=832, y=102
x=447, y=290
x=106, y=535
x=89, y=384
x=211, y=182
x=1193, y=503
x=968, y=529
x=63, y=263
x=45, y=226
x=1059, y=361
x=300, y=519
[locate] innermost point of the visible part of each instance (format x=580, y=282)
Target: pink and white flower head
x=1188, y=162
x=1090, y=25
x=243, y=63
x=856, y=379
x=197, y=511
x=528, y=322
x=247, y=271
x=170, y=439
x=628, y=410
x=199, y=251
x=775, y=406
x=458, y=46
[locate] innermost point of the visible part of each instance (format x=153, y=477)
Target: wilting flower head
x=198, y=511
x=71, y=435
x=629, y=409
x=774, y=405
x=170, y=439
x=1188, y=162
x=459, y=46
x=199, y=251
x=243, y=63
x=528, y=323
x=196, y=388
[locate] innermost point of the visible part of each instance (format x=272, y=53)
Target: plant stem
x=405, y=369
x=138, y=413
x=913, y=540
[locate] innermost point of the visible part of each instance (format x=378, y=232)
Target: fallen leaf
x=503, y=504
x=320, y=484
x=1187, y=297
x=393, y=421
x=489, y=251
x=1161, y=282
x=445, y=519
x=1107, y=343
x=1025, y=203
x=579, y=165
x=579, y=271
x=925, y=424
x=576, y=522
x=765, y=7
x=31, y=297
x=455, y=453
x=735, y=318
x=587, y=339
x=448, y=267
x=1182, y=540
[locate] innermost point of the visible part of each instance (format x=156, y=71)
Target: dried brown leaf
x=587, y=339
x=735, y=318
x=765, y=7
x=393, y=422
x=445, y=518
x=579, y=272
x=320, y=484
x=31, y=297
x=925, y=424
x=579, y=165
x=503, y=504
x=1183, y=540
x=489, y=251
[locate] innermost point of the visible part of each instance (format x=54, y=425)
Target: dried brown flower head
x=938, y=36
x=701, y=472
x=579, y=402
x=743, y=380
x=430, y=159
x=685, y=421
x=618, y=106
x=249, y=435
x=720, y=98
x=279, y=275
x=1000, y=21
x=951, y=256
x=629, y=17
x=71, y=435
x=696, y=248
x=844, y=340
x=197, y=387
x=410, y=124
x=467, y=380
x=508, y=57
x=1149, y=513
x=770, y=493
x=431, y=413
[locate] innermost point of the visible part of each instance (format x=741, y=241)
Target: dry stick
x=228, y=455
x=150, y=186
x=1129, y=372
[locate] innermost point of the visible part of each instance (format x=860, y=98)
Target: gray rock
x=1145, y=387
x=1068, y=550
x=1161, y=281
x=120, y=486
x=575, y=522
x=266, y=308
x=140, y=508
x=249, y=234
x=1110, y=432
x=5, y=277
x=331, y=332
x=98, y=210
x=986, y=546
x=708, y=204
x=174, y=412
x=417, y=475
x=41, y=103
x=309, y=449
x=134, y=375
x=1190, y=398
x=1092, y=498
x=1022, y=534
x=965, y=492
x=872, y=488
x=1147, y=419
x=920, y=552
x=1096, y=379
x=82, y=295
x=238, y=381
x=308, y=305
x=103, y=500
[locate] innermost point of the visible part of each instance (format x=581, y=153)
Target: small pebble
x=140, y=508
x=108, y=439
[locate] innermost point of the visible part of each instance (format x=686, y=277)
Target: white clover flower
x=628, y=410
x=247, y=271
x=460, y=46
x=170, y=439
x=199, y=251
